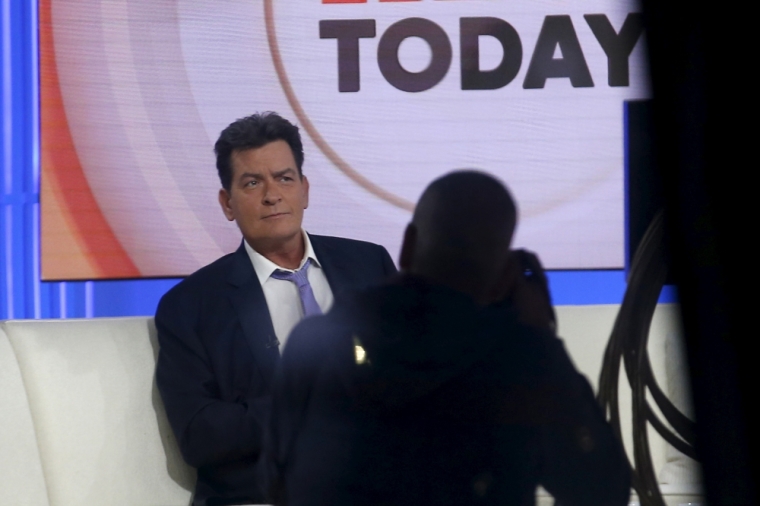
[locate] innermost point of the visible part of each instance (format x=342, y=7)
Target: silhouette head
x=461, y=232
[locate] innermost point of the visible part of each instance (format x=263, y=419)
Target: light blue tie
x=301, y=279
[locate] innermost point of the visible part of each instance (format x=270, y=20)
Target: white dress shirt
x=281, y=295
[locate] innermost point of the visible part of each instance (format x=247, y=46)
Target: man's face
x=267, y=197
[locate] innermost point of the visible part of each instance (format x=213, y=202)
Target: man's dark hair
x=251, y=132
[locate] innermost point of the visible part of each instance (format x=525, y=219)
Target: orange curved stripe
x=77, y=241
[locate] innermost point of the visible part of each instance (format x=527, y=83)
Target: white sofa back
x=21, y=480
x=81, y=421
x=102, y=436
x=586, y=331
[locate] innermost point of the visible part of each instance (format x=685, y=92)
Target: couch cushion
x=102, y=431
x=586, y=331
x=679, y=470
x=21, y=480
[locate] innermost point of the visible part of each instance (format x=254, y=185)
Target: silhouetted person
x=446, y=386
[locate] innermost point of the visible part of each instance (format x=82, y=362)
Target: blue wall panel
x=19, y=275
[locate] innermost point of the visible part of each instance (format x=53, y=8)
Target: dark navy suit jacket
x=217, y=358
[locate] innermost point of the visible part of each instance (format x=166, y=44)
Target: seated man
x=445, y=386
x=219, y=329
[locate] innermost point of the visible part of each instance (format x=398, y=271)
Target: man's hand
x=524, y=284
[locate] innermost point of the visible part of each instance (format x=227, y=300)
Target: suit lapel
x=334, y=264
x=248, y=300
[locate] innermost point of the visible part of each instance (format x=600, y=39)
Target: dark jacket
x=218, y=354
x=412, y=394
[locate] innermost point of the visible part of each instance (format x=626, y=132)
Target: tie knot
x=299, y=277
x=305, y=293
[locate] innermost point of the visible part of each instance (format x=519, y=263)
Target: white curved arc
x=137, y=126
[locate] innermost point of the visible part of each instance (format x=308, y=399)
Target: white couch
x=81, y=421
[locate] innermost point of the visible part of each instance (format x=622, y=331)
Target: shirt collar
x=265, y=267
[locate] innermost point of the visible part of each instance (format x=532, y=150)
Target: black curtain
x=705, y=132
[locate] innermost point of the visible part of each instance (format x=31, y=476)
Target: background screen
x=388, y=95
